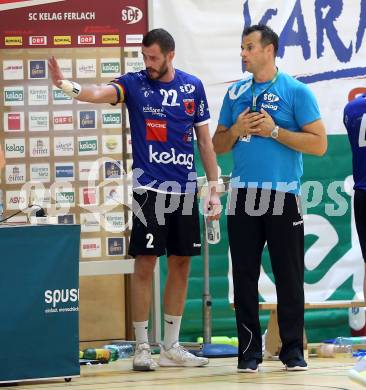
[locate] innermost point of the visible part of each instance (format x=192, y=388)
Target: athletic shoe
x=296, y=364
x=250, y=365
x=177, y=356
x=358, y=372
x=142, y=361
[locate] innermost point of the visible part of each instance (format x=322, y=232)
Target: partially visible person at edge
x=165, y=106
x=354, y=119
x=267, y=121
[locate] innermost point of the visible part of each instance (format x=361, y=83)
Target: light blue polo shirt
x=264, y=162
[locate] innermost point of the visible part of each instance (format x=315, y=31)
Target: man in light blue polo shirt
x=268, y=120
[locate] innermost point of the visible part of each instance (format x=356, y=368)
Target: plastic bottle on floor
x=334, y=351
x=350, y=340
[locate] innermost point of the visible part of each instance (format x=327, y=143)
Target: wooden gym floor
x=220, y=374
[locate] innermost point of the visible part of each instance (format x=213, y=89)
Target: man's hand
x=246, y=121
x=264, y=126
x=55, y=71
x=212, y=206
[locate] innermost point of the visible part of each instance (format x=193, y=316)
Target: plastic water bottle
x=350, y=340
x=334, y=350
x=212, y=231
x=125, y=350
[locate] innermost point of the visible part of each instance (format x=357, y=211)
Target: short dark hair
x=268, y=36
x=161, y=37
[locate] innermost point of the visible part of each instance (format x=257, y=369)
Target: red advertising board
x=71, y=23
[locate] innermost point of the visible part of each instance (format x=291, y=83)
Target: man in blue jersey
x=267, y=121
x=355, y=121
x=165, y=106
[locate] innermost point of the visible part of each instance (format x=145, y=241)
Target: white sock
x=171, y=329
x=141, y=331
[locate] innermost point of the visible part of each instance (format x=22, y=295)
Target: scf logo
x=131, y=15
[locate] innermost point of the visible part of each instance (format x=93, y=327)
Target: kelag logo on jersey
x=87, y=119
x=156, y=130
x=37, y=69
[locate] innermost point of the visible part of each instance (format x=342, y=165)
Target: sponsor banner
x=15, y=174
x=59, y=97
x=91, y=247
x=110, y=39
x=65, y=197
x=113, y=170
x=87, y=119
x=75, y=24
x=40, y=196
x=128, y=144
x=88, y=171
x=65, y=65
x=110, y=67
x=64, y=171
x=115, y=246
x=16, y=200
x=38, y=40
x=86, y=68
x=89, y=196
x=38, y=95
x=63, y=146
x=87, y=146
x=66, y=219
x=86, y=39
x=114, y=222
x=37, y=69
x=14, y=147
x=39, y=147
x=90, y=222
x=134, y=64
x=113, y=195
x=14, y=96
x=44, y=302
x=13, y=41
x=112, y=144
x=134, y=39
x=13, y=121
x=39, y=121
x=112, y=119
x=63, y=120
x=39, y=173
x=13, y=70
x=62, y=40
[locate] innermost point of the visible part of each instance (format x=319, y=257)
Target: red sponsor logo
x=190, y=106
x=37, y=40
x=89, y=196
x=61, y=120
x=86, y=39
x=156, y=130
x=14, y=122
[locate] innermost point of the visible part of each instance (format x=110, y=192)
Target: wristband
x=70, y=88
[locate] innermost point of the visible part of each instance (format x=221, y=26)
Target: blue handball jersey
x=162, y=119
x=355, y=121
x=264, y=162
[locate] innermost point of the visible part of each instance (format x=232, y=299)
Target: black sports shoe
x=296, y=364
x=248, y=366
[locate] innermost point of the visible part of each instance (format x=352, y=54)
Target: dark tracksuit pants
x=254, y=218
